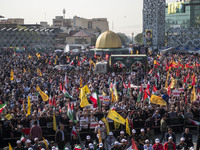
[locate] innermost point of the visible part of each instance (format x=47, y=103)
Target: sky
x=123, y=15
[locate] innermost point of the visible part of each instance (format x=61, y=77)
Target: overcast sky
x=123, y=15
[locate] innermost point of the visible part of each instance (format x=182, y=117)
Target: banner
x=176, y=93
x=176, y=8
x=148, y=35
x=157, y=100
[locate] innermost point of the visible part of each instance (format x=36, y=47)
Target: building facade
x=154, y=23
x=182, y=15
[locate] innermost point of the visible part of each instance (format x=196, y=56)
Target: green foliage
x=139, y=38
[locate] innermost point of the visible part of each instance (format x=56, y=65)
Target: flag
x=54, y=122
x=150, y=72
x=11, y=75
x=61, y=86
x=146, y=96
x=22, y=138
x=127, y=127
x=112, y=114
x=169, y=89
x=10, y=147
x=140, y=94
x=8, y=116
x=193, y=95
x=112, y=96
x=72, y=62
x=103, y=93
x=46, y=61
x=107, y=125
x=66, y=93
x=81, y=82
x=50, y=101
x=2, y=106
x=193, y=80
x=157, y=100
x=44, y=96
x=117, y=125
x=134, y=146
x=45, y=142
x=29, y=56
x=125, y=86
x=116, y=94
x=173, y=83
x=196, y=123
x=39, y=72
x=70, y=112
x=154, y=90
x=95, y=99
x=77, y=147
x=74, y=131
x=55, y=61
x=24, y=70
x=83, y=96
x=79, y=63
x=29, y=106
x=100, y=139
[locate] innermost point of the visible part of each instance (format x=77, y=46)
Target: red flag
x=79, y=63
x=157, y=63
x=54, y=101
x=26, y=131
x=184, y=81
x=107, y=56
x=125, y=86
x=193, y=80
x=129, y=84
x=167, y=68
x=134, y=146
x=188, y=75
x=154, y=88
x=95, y=56
x=120, y=66
x=50, y=101
x=61, y=87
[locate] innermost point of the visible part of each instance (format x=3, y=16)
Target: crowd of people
x=173, y=77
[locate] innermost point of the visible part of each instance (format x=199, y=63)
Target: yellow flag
x=117, y=125
x=46, y=61
x=45, y=142
x=83, y=97
x=39, y=72
x=157, y=100
x=29, y=106
x=116, y=117
x=112, y=96
x=103, y=93
x=131, y=52
x=8, y=116
x=11, y=75
x=116, y=95
x=55, y=61
x=167, y=75
x=107, y=125
x=100, y=140
x=127, y=127
x=24, y=70
x=54, y=122
x=44, y=96
x=81, y=82
x=56, y=56
x=137, y=52
x=166, y=85
x=155, y=62
x=193, y=95
x=29, y=56
x=10, y=147
x=173, y=83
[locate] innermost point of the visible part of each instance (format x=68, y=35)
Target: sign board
x=176, y=93
x=105, y=99
x=100, y=67
x=93, y=122
x=181, y=89
x=84, y=123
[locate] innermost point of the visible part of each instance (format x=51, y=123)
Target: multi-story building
x=81, y=23
x=183, y=14
x=18, y=21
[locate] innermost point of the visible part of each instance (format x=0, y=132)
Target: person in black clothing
x=19, y=145
x=74, y=141
x=150, y=131
x=60, y=137
x=188, y=137
x=35, y=145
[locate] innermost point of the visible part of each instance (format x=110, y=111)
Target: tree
x=139, y=38
x=124, y=38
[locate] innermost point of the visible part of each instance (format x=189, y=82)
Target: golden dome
x=108, y=39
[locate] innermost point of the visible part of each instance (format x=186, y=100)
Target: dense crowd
x=174, y=77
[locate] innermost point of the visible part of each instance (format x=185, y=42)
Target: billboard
x=176, y=8
x=148, y=35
